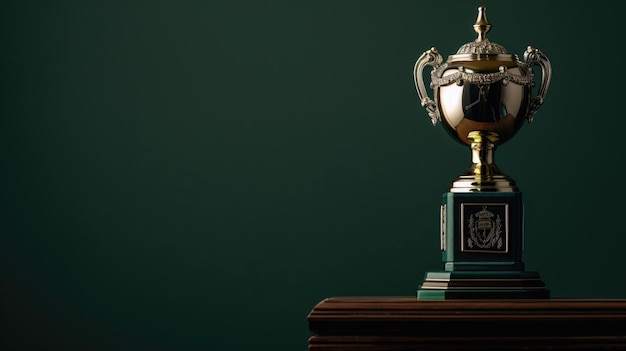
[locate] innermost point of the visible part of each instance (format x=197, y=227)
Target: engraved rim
x=483, y=57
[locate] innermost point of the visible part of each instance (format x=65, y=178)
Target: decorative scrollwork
x=437, y=80
x=482, y=47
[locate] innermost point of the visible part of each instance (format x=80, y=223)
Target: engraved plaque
x=485, y=227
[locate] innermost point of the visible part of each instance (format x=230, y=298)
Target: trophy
x=482, y=95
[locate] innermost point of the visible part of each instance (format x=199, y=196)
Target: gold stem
x=483, y=145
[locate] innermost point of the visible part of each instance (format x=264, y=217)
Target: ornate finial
x=482, y=25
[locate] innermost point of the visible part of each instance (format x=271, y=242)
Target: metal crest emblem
x=485, y=228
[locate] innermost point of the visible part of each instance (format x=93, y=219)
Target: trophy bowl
x=482, y=95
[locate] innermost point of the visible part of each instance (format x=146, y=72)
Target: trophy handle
x=428, y=58
x=534, y=56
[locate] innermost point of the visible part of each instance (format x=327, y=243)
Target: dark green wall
x=196, y=175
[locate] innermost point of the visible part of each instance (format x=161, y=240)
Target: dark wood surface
x=405, y=323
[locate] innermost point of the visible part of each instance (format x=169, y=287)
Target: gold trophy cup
x=482, y=96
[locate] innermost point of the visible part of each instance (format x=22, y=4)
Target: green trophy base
x=482, y=285
x=482, y=237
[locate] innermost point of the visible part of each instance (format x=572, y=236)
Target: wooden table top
x=405, y=323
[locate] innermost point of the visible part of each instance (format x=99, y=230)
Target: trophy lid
x=483, y=53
